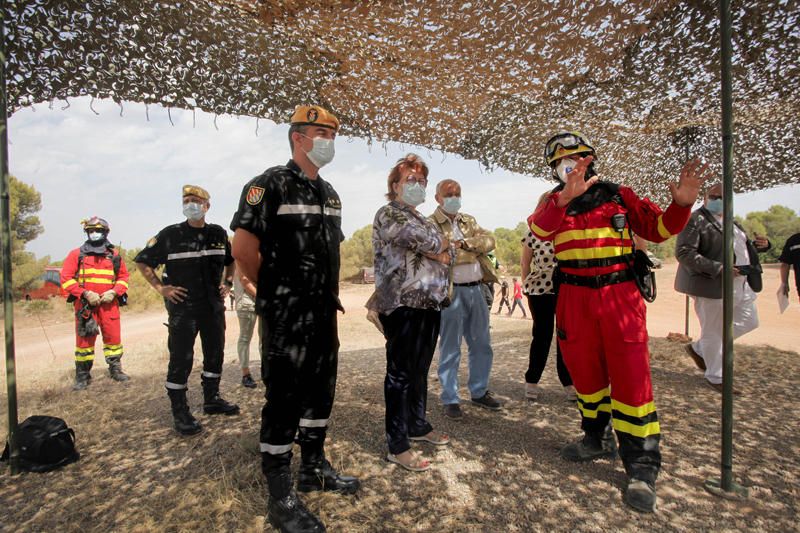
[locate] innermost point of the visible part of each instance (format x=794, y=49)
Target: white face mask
x=322, y=153
x=95, y=236
x=193, y=211
x=413, y=194
x=564, y=167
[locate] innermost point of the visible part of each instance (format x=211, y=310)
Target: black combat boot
x=213, y=404
x=185, y=423
x=82, y=375
x=316, y=472
x=593, y=445
x=115, y=369
x=285, y=511
x=641, y=495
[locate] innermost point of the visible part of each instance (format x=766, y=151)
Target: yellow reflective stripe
x=592, y=413
x=84, y=357
x=123, y=283
x=69, y=283
x=115, y=350
x=539, y=232
x=101, y=271
x=653, y=428
x=95, y=280
x=593, y=233
x=595, y=396
x=662, y=229
x=593, y=253
x=638, y=412
x=79, y=350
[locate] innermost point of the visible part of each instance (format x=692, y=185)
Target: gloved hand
x=92, y=297
x=108, y=296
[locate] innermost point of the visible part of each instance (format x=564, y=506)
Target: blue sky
x=129, y=171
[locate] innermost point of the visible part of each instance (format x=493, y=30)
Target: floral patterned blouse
x=540, y=280
x=403, y=275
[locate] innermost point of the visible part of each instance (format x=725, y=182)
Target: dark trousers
x=503, y=300
x=183, y=329
x=300, y=347
x=543, y=312
x=410, y=342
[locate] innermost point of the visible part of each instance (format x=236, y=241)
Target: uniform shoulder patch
x=152, y=242
x=255, y=195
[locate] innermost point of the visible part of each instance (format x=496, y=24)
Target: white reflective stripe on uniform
x=199, y=253
x=175, y=386
x=311, y=423
x=331, y=212
x=210, y=375
x=299, y=209
x=276, y=449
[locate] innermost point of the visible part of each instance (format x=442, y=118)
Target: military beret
x=314, y=115
x=194, y=190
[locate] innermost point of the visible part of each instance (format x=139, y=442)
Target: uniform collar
x=441, y=217
x=294, y=167
x=102, y=248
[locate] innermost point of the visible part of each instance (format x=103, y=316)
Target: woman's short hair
x=411, y=161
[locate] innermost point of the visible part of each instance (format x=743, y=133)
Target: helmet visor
x=566, y=144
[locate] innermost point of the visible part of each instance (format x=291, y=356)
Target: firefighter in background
x=95, y=278
x=600, y=313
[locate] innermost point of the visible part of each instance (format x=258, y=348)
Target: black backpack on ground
x=45, y=443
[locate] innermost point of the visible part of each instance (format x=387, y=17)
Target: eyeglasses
x=714, y=197
x=567, y=141
x=411, y=178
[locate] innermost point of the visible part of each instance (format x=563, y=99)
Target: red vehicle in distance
x=51, y=285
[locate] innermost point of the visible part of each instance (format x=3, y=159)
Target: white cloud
x=130, y=171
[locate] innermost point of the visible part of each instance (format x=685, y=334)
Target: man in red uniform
x=600, y=313
x=95, y=276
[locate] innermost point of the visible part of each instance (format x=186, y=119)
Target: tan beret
x=314, y=115
x=194, y=190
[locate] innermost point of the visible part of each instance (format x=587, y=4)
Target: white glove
x=108, y=296
x=92, y=297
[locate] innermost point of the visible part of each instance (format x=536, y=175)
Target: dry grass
x=501, y=473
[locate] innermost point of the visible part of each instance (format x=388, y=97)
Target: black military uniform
x=195, y=259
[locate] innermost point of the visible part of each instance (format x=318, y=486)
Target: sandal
x=417, y=464
x=439, y=439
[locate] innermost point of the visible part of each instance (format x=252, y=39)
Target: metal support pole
x=725, y=486
x=687, y=136
x=5, y=220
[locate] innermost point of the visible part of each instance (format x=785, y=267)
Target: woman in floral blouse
x=538, y=263
x=411, y=285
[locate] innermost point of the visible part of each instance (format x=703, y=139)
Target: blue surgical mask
x=451, y=204
x=413, y=194
x=715, y=206
x=193, y=211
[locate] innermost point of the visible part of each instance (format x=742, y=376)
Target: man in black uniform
x=195, y=254
x=287, y=235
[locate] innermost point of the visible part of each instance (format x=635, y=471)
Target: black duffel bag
x=45, y=443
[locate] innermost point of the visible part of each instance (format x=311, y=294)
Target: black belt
x=595, y=282
x=601, y=262
x=470, y=284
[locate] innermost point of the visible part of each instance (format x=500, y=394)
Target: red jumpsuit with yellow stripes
x=96, y=273
x=600, y=316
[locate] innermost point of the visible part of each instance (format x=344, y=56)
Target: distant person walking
x=517, y=299
x=790, y=258
x=244, y=296
x=95, y=277
x=504, y=296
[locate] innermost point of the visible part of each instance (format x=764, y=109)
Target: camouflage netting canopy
x=489, y=80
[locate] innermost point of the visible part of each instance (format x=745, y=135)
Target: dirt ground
x=502, y=471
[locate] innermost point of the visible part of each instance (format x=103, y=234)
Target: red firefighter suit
x=600, y=313
x=91, y=268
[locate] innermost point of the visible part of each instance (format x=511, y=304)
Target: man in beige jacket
x=467, y=317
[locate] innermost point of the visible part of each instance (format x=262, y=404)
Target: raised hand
x=693, y=175
x=576, y=185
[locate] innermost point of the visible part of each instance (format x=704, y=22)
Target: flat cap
x=314, y=115
x=194, y=190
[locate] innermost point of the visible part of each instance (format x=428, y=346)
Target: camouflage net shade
x=489, y=80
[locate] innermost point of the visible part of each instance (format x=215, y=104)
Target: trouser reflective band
x=112, y=350
x=276, y=449
x=591, y=404
x=212, y=375
x=175, y=386
x=309, y=423
x=84, y=354
x=641, y=421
